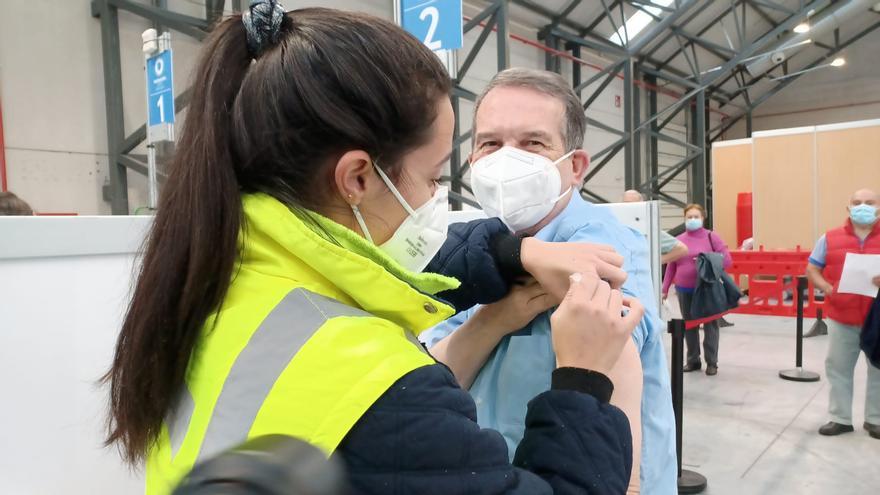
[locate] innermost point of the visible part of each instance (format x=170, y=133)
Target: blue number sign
x=437, y=23
x=160, y=89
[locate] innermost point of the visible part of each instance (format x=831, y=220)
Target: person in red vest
x=847, y=312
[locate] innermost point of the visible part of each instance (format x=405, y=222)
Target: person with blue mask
x=683, y=274
x=847, y=312
x=527, y=162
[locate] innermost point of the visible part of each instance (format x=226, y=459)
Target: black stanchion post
x=688, y=481
x=798, y=374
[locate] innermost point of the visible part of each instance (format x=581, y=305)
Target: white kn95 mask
x=519, y=187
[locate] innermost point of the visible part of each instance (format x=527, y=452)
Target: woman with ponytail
x=282, y=291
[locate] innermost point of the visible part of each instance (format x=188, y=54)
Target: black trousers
x=692, y=336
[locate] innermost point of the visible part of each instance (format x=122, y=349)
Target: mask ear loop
x=360, y=221
x=394, y=191
x=563, y=157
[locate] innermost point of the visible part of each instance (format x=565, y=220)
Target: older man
x=671, y=248
x=527, y=166
x=847, y=312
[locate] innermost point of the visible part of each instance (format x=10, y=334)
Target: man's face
x=863, y=197
x=528, y=120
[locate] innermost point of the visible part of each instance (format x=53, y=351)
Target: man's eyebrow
x=484, y=135
x=537, y=134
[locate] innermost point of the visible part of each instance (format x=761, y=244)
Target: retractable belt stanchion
x=688, y=481
x=799, y=374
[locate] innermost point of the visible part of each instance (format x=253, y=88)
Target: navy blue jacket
x=484, y=256
x=421, y=438
x=870, y=336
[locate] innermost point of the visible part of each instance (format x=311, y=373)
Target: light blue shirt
x=820, y=252
x=520, y=366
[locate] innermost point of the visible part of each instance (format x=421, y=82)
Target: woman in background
x=683, y=273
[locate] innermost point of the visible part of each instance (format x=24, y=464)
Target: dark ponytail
x=189, y=254
x=330, y=82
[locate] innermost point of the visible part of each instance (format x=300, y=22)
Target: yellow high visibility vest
x=316, y=326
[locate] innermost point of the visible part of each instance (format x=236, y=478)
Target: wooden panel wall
x=847, y=160
x=731, y=175
x=783, y=191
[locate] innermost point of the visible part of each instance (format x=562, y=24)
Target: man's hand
x=876, y=280
x=552, y=263
x=519, y=307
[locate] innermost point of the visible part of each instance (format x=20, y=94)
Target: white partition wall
x=64, y=284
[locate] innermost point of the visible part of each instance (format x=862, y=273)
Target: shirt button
x=430, y=308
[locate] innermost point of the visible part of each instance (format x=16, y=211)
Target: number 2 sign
x=437, y=23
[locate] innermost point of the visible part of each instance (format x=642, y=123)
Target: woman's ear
x=580, y=162
x=352, y=172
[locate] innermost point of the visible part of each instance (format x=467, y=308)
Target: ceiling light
x=838, y=62
x=802, y=28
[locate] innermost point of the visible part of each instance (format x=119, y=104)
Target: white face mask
x=519, y=187
x=421, y=235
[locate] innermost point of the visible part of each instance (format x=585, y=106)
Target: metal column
x=698, y=137
x=113, y=104
x=455, y=159
x=653, y=150
x=502, y=35
x=630, y=165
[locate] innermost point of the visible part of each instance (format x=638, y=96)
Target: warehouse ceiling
x=710, y=33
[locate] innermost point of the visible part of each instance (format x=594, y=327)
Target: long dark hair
x=334, y=81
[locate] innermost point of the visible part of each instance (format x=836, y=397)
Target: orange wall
x=731, y=175
x=847, y=160
x=783, y=192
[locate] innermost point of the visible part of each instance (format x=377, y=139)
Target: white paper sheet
x=858, y=272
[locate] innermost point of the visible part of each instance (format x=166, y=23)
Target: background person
x=846, y=313
x=12, y=205
x=280, y=292
x=683, y=273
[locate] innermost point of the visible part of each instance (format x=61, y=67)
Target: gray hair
x=551, y=84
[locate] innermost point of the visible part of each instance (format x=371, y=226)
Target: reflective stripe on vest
x=267, y=354
x=281, y=335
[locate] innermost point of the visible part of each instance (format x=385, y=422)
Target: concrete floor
x=749, y=432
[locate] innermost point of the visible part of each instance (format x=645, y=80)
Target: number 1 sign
x=437, y=23
x=160, y=90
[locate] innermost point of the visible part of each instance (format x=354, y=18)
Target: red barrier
x=769, y=280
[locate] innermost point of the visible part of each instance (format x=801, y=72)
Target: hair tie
x=262, y=22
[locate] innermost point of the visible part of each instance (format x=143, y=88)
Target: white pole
x=150, y=47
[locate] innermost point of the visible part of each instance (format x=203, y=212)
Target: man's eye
x=535, y=143
x=488, y=144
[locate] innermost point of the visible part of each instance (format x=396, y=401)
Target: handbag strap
x=712, y=243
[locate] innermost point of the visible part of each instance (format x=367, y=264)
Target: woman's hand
x=589, y=327
x=552, y=263
x=519, y=307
